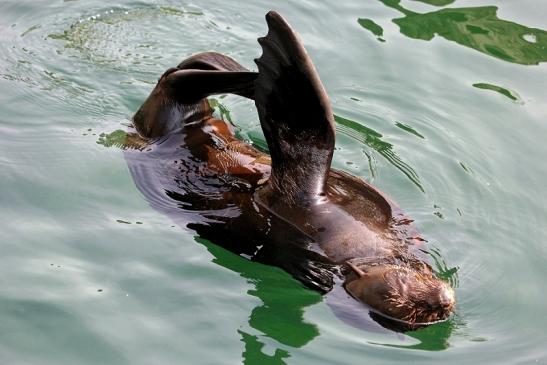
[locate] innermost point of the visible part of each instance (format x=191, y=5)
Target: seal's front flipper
x=295, y=115
x=179, y=96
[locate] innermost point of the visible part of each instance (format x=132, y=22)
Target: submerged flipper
x=295, y=115
x=179, y=96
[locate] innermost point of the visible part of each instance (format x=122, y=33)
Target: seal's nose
x=446, y=297
x=443, y=298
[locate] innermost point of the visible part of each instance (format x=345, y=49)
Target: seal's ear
x=179, y=96
x=295, y=115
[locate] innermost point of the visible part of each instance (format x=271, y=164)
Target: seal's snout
x=444, y=297
x=447, y=299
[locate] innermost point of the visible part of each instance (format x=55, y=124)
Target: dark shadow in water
x=373, y=139
x=281, y=315
x=478, y=28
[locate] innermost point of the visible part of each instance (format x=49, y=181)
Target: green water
x=439, y=103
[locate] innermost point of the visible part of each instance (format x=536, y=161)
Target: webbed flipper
x=295, y=115
x=179, y=96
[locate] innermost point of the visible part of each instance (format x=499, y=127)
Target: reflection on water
x=373, y=139
x=448, y=274
x=253, y=353
x=478, y=28
x=409, y=129
x=118, y=138
x=121, y=139
x=436, y=2
x=431, y=338
x=375, y=29
x=505, y=92
x=281, y=315
x=349, y=128
x=224, y=112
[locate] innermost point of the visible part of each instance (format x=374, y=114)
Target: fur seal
x=289, y=209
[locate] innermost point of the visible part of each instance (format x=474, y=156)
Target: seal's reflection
x=431, y=338
x=281, y=314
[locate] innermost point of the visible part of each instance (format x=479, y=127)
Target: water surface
x=439, y=103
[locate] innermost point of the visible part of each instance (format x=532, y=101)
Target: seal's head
x=406, y=294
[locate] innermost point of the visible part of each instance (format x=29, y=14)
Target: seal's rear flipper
x=295, y=115
x=179, y=96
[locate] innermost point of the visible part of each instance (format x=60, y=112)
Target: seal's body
x=288, y=208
